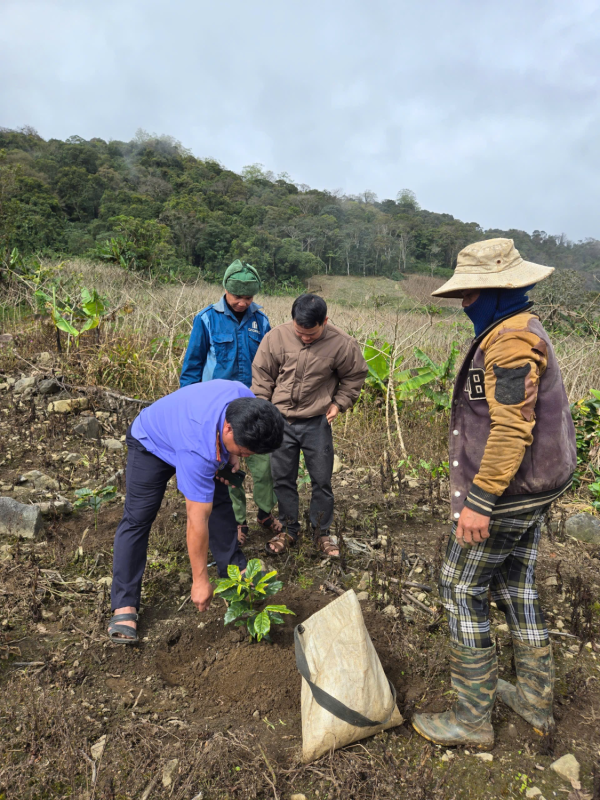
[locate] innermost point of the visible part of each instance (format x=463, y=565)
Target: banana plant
x=443, y=374
x=406, y=382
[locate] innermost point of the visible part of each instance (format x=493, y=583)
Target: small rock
x=48, y=616
x=18, y=519
x=422, y=597
x=83, y=585
x=44, y=360
x=337, y=464
x=391, y=611
x=256, y=714
x=98, y=749
x=169, y=771
x=68, y=406
x=49, y=386
x=88, y=427
x=353, y=513
x=560, y=624
x=584, y=527
x=106, y=581
x=298, y=797
x=447, y=757
x=362, y=597
x=71, y=458
x=364, y=582
x=34, y=479
x=412, y=483
x=533, y=791
x=62, y=507
x=551, y=581
x=409, y=613
x=484, y=756
x=566, y=767
x=23, y=384
x=115, y=480
x=112, y=444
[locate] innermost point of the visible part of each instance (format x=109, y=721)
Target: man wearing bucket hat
x=224, y=340
x=512, y=452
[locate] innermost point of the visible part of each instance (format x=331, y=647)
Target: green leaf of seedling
x=252, y=569
x=234, y=573
x=234, y=611
x=267, y=578
x=262, y=625
x=276, y=619
x=273, y=588
x=228, y=594
x=224, y=584
x=250, y=626
x=82, y=493
x=279, y=609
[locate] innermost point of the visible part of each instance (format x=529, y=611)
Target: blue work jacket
x=222, y=347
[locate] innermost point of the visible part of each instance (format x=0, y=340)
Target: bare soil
x=228, y=710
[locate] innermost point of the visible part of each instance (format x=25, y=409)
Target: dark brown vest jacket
x=548, y=465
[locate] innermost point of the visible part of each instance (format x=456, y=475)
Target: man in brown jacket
x=311, y=371
x=512, y=452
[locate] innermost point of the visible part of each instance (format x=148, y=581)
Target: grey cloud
x=488, y=111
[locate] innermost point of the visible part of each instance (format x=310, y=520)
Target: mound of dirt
x=230, y=679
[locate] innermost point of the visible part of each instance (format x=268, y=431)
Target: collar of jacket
x=222, y=307
x=500, y=321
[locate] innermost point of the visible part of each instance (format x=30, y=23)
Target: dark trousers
x=314, y=438
x=147, y=478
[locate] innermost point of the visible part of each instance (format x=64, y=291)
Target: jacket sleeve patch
x=510, y=384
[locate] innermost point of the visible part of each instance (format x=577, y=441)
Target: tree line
x=149, y=204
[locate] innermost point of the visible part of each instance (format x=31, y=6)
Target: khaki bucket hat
x=491, y=264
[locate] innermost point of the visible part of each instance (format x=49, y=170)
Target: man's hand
x=472, y=528
x=332, y=413
x=202, y=592
x=234, y=463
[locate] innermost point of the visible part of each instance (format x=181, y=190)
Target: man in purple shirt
x=192, y=433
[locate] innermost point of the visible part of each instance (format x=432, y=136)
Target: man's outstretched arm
x=197, y=542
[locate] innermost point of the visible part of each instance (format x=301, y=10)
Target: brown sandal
x=325, y=545
x=242, y=534
x=270, y=522
x=280, y=543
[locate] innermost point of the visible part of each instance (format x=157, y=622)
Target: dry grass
x=141, y=353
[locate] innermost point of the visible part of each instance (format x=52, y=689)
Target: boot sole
x=453, y=742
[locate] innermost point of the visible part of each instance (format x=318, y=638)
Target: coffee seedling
x=245, y=592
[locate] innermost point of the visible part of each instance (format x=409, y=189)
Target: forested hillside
x=149, y=204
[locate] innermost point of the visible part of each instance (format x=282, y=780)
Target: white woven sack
x=345, y=694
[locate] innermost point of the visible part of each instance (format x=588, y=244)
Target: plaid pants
x=505, y=564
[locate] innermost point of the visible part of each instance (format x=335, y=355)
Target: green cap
x=241, y=279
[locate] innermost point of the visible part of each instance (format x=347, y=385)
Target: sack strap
x=327, y=701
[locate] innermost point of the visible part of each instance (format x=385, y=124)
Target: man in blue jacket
x=224, y=340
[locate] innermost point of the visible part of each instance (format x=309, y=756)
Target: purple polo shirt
x=181, y=429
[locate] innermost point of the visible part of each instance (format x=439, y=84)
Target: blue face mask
x=494, y=304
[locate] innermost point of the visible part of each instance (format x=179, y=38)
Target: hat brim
x=524, y=274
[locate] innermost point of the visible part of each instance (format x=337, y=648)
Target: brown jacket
x=303, y=380
x=512, y=439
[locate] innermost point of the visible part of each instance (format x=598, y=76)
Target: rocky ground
x=195, y=710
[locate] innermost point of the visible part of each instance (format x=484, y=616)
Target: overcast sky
x=487, y=110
